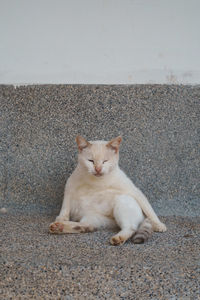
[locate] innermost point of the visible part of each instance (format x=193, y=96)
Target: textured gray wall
x=159, y=152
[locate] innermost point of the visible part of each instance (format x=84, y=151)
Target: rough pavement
x=37, y=265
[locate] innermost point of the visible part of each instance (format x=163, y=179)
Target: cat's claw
x=159, y=227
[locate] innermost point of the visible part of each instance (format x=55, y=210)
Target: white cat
x=99, y=194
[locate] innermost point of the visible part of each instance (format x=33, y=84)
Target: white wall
x=99, y=41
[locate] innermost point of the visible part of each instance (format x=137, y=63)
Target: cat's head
x=100, y=157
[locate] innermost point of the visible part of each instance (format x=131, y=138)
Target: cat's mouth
x=98, y=174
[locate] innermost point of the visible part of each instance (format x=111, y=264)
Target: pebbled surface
x=38, y=265
x=160, y=149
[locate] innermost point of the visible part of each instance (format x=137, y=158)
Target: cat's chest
x=92, y=199
x=92, y=191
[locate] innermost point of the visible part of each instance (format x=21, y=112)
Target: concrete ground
x=37, y=265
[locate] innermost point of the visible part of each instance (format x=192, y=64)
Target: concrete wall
x=99, y=41
x=160, y=149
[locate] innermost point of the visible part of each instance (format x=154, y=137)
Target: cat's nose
x=97, y=169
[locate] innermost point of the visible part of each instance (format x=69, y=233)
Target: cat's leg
x=88, y=223
x=70, y=227
x=148, y=210
x=128, y=216
x=98, y=221
x=65, y=209
x=62, y=223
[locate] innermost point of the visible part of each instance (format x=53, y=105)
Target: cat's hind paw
x=117, y=240
x=159, y=227
x=56, y=227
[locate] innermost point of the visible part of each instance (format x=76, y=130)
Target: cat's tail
x=143, y=233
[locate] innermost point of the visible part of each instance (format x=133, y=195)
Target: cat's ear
x=114, y=143
x=82, y=143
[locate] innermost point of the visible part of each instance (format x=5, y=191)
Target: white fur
x=109, y=199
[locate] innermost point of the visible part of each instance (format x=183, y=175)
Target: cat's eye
x=91, y=160
x=104, y=161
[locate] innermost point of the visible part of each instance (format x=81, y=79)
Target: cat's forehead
x=98, y=142
x=98, y=148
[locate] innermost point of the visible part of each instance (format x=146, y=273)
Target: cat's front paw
x=159, y=227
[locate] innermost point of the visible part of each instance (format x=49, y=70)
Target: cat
x=99, y=194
